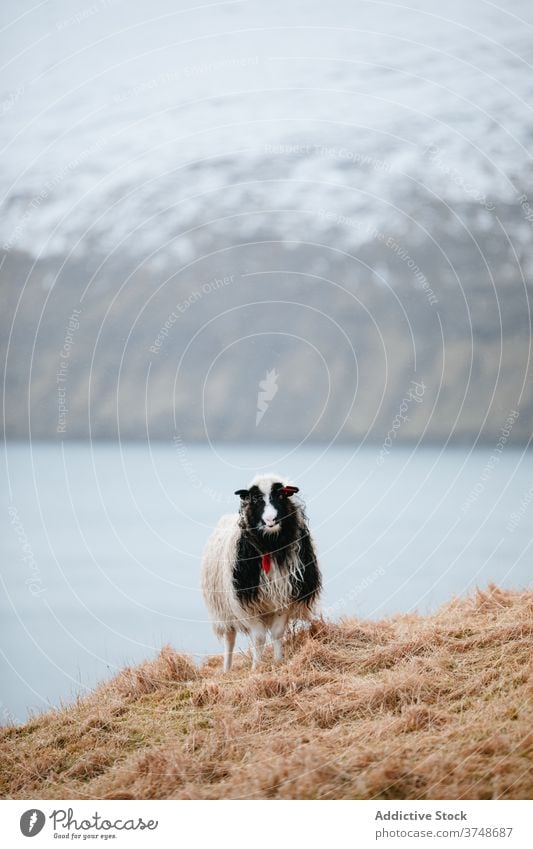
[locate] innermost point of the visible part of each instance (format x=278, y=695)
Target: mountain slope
x=372, y=168
x=407, y=708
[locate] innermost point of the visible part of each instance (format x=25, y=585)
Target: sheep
x=260, y=569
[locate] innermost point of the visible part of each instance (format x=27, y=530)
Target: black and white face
x=266, y=506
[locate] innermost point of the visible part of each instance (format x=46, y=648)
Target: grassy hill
x=410, y=707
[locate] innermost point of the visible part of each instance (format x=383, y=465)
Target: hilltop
x=409, y=707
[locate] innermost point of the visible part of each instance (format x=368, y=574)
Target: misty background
x=360, y=173
x=242, y=236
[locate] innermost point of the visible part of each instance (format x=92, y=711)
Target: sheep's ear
x=244, y=493
x=290, y=490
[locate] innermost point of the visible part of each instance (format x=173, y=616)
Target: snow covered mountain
x=370, y=161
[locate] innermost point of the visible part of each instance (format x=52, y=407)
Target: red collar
x=265, y=562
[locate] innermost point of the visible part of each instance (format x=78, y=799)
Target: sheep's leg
x=277, y=630
x=258, y=633
x=229, y=644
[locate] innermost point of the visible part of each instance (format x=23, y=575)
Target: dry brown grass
x=407, y=708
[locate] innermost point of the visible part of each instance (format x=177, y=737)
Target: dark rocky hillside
x=180, y=353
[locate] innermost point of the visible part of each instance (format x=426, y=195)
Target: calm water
x=101, y=544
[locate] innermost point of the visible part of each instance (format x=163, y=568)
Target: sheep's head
x=267, y=503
